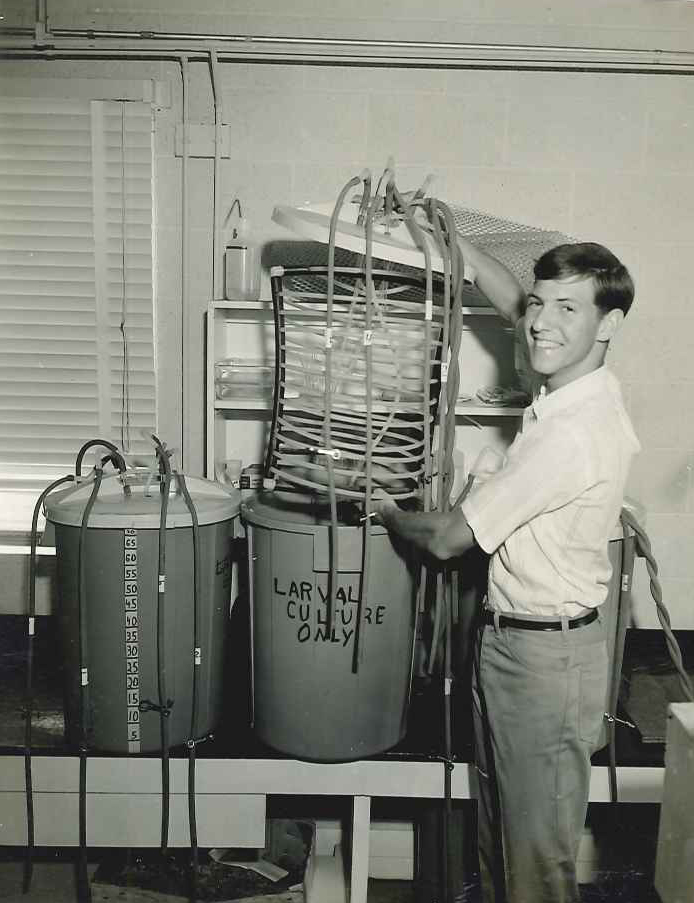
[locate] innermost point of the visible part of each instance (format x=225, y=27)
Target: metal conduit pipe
x=443, y=53
x=185, y=250
x=41, y=26
x=216, y=205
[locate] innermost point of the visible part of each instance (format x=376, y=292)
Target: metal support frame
x=232, y=780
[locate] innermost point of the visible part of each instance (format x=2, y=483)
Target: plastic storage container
x=120, y=609
x=242, y=258
x=307, y=701
x=243, y=378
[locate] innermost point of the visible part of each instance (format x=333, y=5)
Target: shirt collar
x=597, y=382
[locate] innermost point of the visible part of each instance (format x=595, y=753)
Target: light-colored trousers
x=538, y=706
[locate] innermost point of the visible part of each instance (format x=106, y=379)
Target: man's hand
x=441, y=534
x=381, y=503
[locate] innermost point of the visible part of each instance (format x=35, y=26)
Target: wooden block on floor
x=112, y=893
x=290, y=896
x=324, y=881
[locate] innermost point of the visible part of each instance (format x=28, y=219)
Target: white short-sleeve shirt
x=547, y=516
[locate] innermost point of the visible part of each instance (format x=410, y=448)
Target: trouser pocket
x=592, y=692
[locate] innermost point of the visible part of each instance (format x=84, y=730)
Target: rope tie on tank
x=146, y=705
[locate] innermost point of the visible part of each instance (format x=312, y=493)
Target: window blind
x=76, y=284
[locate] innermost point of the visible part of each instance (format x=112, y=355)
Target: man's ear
x=609, y=324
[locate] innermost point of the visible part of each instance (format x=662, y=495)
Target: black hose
x=195, y=703
x=84, y=893
x=447, y=870
x=334, y=545
x=197, y=592
x=29, y=694
x=165, y=703
x=115, y=456
x=368, y=450
x=192, y=822
x=623, y=616
x=83, y=889
x=624, y=588
x=454, y=272
x=327, y=401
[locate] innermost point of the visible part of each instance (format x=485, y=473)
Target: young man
x=540, y=675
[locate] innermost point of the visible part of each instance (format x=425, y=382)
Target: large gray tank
x=307, y=700
x=120, y=609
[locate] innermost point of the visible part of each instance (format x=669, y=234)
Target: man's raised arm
x=494, y=280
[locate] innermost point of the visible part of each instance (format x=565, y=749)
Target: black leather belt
x=524, y=624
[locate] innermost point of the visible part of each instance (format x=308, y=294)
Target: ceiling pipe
x=41, y=27
x=217, y=292
x=256, y=48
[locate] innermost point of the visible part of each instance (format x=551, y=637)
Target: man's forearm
x=442, y=535
x=494, y=280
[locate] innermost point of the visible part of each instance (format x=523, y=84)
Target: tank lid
x=141, y=510
x=299, y=513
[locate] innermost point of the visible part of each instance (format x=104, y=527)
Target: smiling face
x=567, y=333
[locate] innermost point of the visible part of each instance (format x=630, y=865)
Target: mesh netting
x=516, y=245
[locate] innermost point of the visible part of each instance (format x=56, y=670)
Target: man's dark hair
x=614, y=287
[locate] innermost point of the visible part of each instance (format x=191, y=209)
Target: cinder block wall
x=605, y=157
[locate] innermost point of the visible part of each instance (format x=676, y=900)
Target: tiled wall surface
x=605, y=157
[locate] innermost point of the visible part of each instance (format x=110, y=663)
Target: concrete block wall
x=604, y=157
